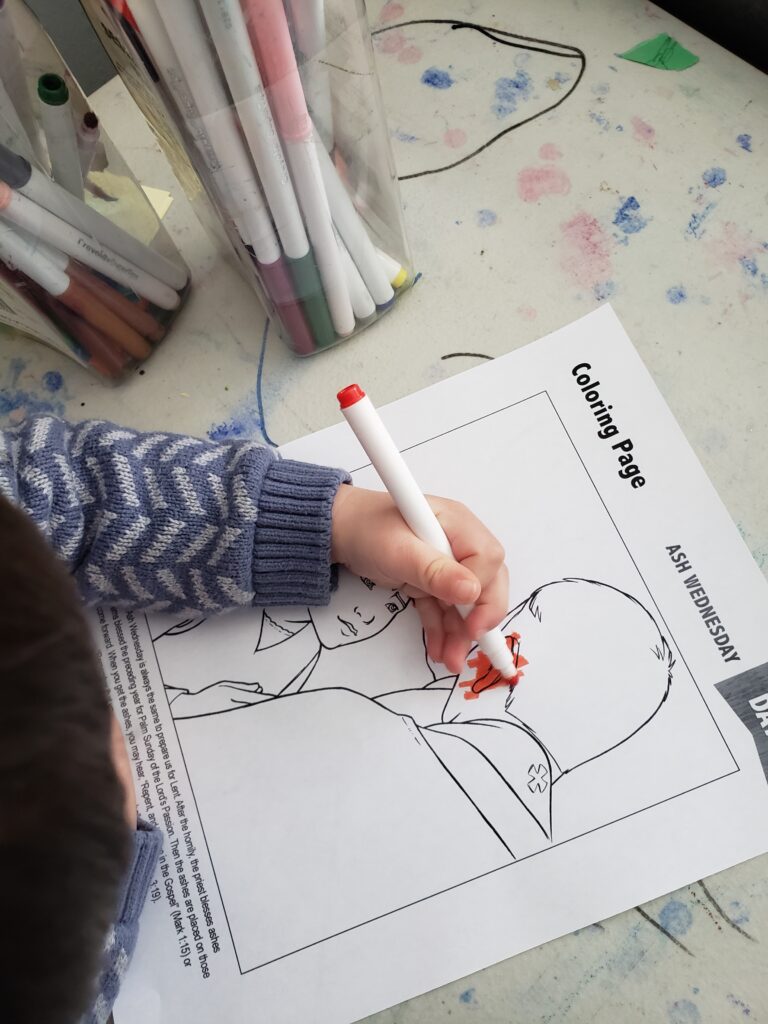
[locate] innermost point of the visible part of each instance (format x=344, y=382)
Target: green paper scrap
x=661, y=52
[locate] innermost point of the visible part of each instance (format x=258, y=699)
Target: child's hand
x=370, y=538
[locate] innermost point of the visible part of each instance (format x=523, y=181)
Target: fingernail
x=467, y=591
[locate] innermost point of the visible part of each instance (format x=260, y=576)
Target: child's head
x=596, y=670
x=64, y=842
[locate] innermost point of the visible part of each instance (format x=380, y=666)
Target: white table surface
x=510, y=250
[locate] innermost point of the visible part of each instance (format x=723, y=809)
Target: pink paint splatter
x=455, y=137
x=410, y=55
x=527, y=312
x=549, y=151
x=391, y=11
x=732, y=247
x=643, y=132
x=586, y=256
x=535, y=182
x=391, y=42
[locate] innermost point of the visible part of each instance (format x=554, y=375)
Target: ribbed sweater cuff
x=292, y=545
x=147, y=842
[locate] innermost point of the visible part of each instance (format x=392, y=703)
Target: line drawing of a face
x=358, y=610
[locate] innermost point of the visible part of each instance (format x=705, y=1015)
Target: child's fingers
x=457, y=641
x=471, y=541
x=491, y=607
x=423, y=568
x=432, y=620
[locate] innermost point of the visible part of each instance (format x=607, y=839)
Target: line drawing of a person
x=372, y=777
x=594, y=670
x=285, y=651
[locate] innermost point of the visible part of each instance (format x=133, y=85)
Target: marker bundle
x=275, y=104
x=85, y=264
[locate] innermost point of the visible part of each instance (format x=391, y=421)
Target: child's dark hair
x=64, y=842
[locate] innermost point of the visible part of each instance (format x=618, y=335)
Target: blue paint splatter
x=714, y=177
x=604, y=290
x=745, y=141
x=748, y=265
x=600, y=119
x=509, y=91
x=561, y=77
x=619, y=127
x=246, y=421
x=676, y=917
x=683, y=1011
x=486, y=218
x=738, y=912
x=437, y=78
x=52, y=380
x=739, y=1004
x=676, y=295
x=628, y=217
x=694, y=228
x=402, y=136
x=468, y=996
x=18, y=402
x=695, y=990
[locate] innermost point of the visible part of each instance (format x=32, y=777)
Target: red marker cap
x=350, y=395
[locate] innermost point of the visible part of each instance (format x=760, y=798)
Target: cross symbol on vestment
x=538, y=778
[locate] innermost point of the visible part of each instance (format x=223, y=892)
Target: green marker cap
x=52, y=89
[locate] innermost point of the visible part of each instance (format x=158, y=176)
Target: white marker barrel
x=59, y=131
x=378, y=445
x=21, y=175
x=350, y=227
x=303, y=160
x=56, y=232
x=20, y=253
x=363, y=305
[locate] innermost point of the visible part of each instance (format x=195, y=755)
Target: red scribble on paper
x=489, y=678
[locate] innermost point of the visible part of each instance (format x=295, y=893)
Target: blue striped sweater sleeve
x=122, y=937
x=171, y=523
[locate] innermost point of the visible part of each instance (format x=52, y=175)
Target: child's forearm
x=169, y=522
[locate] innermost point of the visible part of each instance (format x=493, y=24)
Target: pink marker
x=378, y=445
